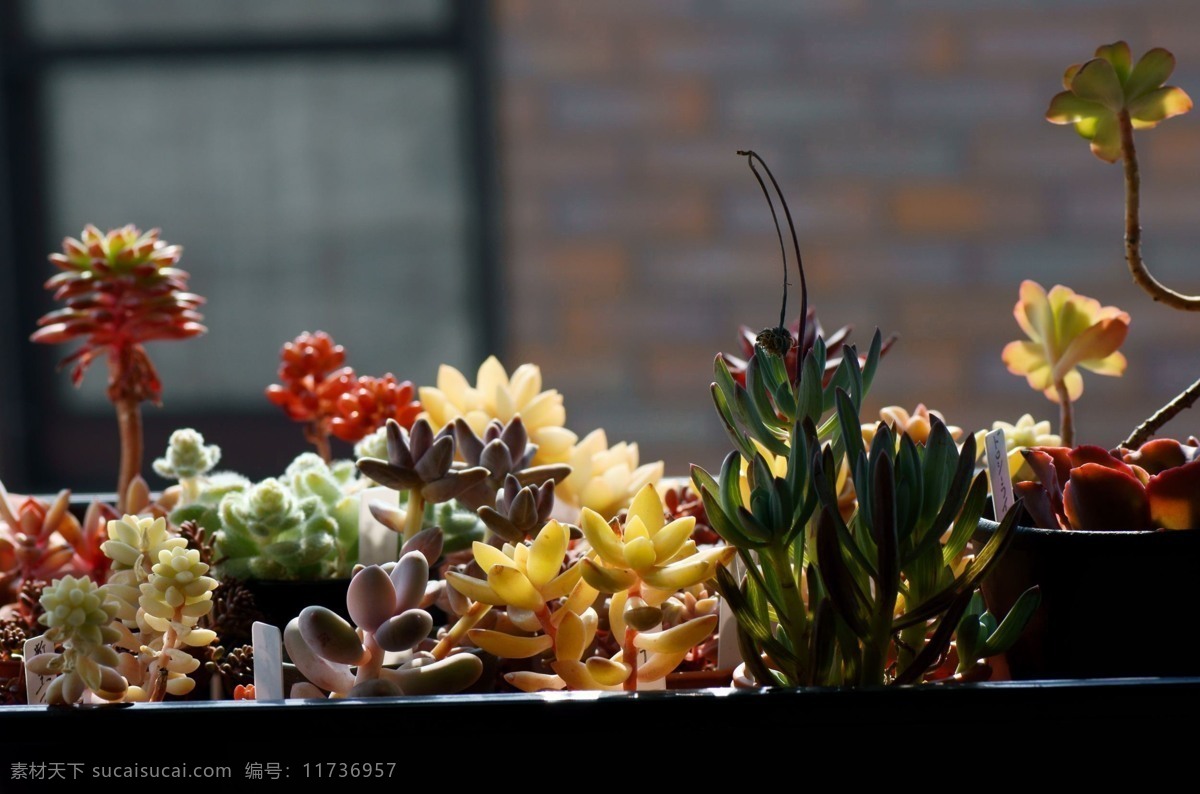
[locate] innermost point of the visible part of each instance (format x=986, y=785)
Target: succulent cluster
x=187, y=459
x=329, y=398
x=826, y=599
x=162, y=592
x=385, y=604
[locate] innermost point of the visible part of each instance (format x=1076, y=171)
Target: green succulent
x=820, y=595
x=269, y=532
x=1110, y=91
x=187, y=459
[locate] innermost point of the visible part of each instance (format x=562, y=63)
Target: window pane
x=307, y=196
x=99, y=19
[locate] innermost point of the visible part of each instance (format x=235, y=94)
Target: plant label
x=36, y=686
x=268, y=661
x=998, y=476
x=729, y=655
x=376, y=543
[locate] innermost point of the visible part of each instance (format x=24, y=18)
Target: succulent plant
x=121, y=290
x=1106, y=99
x=458, y=524
x=496, y=395
x=39, y=541
x=1154, y=487
x=1018, y=436
x=915, y=425
x=643, y=561
x=77, y=616
x=803, y=340
x=270, y=532
x=384, y=602
x=421, y=464
x=504, y=450
x=313, y=378
x=369, y=402
x=187, y=460
x=548, y=611
x=604, y=478
x=234, y=666
x=1066, y=331
x=520, y=511
x=820, y=600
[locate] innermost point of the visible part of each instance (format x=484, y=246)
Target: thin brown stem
x=129, y=422
x=1066, y=415
x=320, y=440
x=1147, y=429
x=1133, y=229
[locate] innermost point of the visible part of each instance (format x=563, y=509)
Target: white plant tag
x=376, y=543
x=729, y=655
x=268, y=661
x=36, y=686
x=998, y=476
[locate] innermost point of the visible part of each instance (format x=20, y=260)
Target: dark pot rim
x=1115, y=537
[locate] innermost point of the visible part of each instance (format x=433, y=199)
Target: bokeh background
x=556, y=182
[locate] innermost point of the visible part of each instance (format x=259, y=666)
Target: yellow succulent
x=1023, y=434
x=547, y=609
x=915, y=425
x=496, y=395
x=603, y=478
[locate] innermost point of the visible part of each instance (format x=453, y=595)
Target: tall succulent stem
x=1143, y=278
x=129, y=422
x=1133, y=228
x=1066, y=415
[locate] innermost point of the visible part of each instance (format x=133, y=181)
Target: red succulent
x=40, y=540
x=1089, y=488
x=121, y=289
x=369, y=402
x=329, y=398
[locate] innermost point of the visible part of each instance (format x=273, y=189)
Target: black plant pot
x=281, y=600
x=1114, y=604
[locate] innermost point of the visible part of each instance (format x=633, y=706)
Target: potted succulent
x=1112, y=533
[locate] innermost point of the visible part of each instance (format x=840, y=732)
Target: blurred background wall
x=556, y=182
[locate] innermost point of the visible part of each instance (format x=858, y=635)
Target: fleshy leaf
x=1152, y=70
x=1174, y=497
x=1101, y=498
x=1097, y=81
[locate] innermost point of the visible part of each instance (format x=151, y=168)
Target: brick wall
x=908, y=135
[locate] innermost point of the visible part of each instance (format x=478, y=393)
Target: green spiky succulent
x=818, y=601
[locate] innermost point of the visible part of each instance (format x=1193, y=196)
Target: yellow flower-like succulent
x=1022, y=434
x=1098, y=93
x=1066, y=331
x=525, y=576
x=496, y=395
x=915, y=425
x=603, y=478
